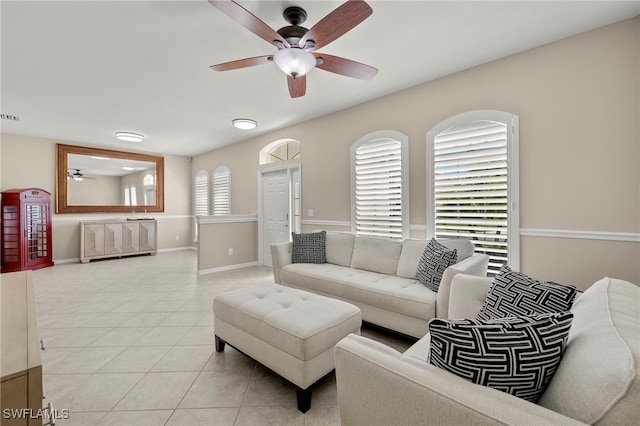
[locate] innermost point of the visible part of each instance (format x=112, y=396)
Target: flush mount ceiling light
x=129, y=136
x=128, y=168
x=244, y=123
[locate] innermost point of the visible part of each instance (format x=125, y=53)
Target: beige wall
x=99, y=191
x=216, y=239
x=578, y=107
x=30, y=162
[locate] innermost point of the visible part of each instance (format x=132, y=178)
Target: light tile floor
x=130, y=342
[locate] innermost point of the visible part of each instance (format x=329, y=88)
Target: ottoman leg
x=219, y=344
x=304, y=398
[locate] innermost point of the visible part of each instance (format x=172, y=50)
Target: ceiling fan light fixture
x=244, y=123
x=129, y=136
x=294, y=61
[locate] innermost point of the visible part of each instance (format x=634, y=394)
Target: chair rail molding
x=583, y=235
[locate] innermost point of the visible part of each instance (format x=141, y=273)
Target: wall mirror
x=94, y=180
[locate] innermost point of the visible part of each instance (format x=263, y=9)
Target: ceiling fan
x=297, y=45
x=76, y=175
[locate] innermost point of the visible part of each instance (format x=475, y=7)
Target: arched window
x=222, y=191
x=472, y=181
x=149, y=189
x=379, y=185
x=280, y=150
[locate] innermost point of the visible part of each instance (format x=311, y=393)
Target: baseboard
x=167, y=250
x=226, y=268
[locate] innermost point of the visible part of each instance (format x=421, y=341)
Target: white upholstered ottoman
x=290, y=331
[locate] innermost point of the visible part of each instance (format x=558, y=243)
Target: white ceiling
x=81, y=70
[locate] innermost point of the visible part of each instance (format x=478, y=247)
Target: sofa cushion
x=598, y=379
x=376, y=255
x=435, y=259
x=409, y=257
x=340, y=248
x=514, y=293
x=516, y=355
x=386, y=292
x=309, y=248
x=464, y=247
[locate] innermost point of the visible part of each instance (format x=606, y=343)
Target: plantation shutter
x=378, y=188
x=470, y=187
x=221, y=191
x=201, y=184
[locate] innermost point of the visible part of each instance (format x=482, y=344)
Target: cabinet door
x=37, y=234
x=147, y=236
x=112, y=238
x=14, y=396
x=93, y=240
x=130, y=237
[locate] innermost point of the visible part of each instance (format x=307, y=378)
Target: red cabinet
x=26, y=229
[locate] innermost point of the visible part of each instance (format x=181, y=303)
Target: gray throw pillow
x=435, y=259
x=516, y=355
x=309, y=248
x=513, y=293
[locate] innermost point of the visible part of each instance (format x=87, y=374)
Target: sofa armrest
x=475, y=264
x=468, y=293
x=280, y=256
x=376, y=387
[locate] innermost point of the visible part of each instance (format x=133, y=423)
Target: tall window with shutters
x=379, y=185
x=221, y=191
x=472, y=162
x=200, y=197
x=201, y=193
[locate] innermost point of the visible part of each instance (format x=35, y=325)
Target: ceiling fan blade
x=249, y=21
x=242, y=63
x=297, y=86
x=342, y=66
x=343, y=19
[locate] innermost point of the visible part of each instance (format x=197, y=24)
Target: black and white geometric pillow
x=517, y=355
x=435, y=259
x=513, y=293
x=309, y=248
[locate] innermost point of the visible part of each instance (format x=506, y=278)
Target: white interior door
x=275, y=212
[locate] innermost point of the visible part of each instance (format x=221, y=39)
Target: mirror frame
x=62, y=155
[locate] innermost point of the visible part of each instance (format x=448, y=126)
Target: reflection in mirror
x=96, y=180
x=105, y=181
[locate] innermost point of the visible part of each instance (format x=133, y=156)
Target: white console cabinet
x=116, y=238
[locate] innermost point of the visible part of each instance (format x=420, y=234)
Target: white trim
x=582, y=235
x=172, y=249
x=63, y=261
x=226, y=268
x=77, y=259
x=230, y=218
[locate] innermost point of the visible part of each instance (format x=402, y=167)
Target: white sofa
x=378, y=276
x=597, y=381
